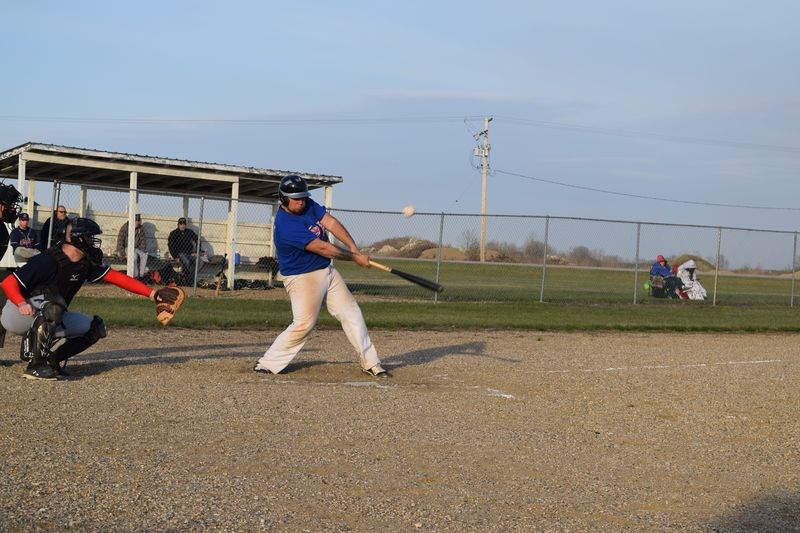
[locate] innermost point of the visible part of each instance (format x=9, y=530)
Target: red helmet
x=660, y=258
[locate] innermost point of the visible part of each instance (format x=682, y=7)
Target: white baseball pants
x=307, y=292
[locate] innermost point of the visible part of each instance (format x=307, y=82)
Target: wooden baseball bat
x=422, y=282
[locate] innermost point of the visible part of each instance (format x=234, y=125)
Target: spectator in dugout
x=139, y=247
x=182, y=243
x=24, y=240
x=48, y=237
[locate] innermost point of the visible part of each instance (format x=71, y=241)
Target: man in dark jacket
x=48, y=237
x=182, y=243
x=24, y=240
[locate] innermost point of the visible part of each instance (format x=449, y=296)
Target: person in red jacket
x=40, y=292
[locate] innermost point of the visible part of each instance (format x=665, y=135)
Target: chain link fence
x=568, y=259
x=246, y=246
x=527, y=258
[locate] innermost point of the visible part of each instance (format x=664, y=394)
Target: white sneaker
x=258, y=370
x=376, y=371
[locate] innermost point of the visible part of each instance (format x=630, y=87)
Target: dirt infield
x=481, y=431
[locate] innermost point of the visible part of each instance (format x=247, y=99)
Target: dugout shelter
x=32, y=162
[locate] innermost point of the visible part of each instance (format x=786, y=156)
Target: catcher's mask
x=10, y=198
x=292, y=186
x=81, y=234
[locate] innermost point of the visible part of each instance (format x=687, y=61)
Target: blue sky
x=681, y=100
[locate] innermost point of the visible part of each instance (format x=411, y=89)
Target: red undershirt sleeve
x=123, y=281
x=10, y=286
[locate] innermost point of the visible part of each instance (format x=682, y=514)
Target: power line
x=237, y=122
x=400, y=120
x=642, y=196
x=658, y=136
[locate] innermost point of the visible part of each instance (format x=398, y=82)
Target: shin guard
x=76, y=345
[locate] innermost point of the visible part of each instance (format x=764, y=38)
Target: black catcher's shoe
x=37, y=370
x=60, y=369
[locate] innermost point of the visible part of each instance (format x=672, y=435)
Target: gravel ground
x=480, y=431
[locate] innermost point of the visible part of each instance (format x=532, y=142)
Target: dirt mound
x=411, y=247
x=386, y=251
x=702, y=264
x=448, y=254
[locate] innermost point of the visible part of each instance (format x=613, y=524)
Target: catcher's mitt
x=168, y=301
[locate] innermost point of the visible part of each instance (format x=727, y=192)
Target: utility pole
x=484, y=152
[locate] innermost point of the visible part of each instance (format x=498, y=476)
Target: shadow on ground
x=96, y=362
x=99, y=361
x=421, y=357
x=416, y=357
x=773, y=512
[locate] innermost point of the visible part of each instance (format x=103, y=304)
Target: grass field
x=209, y=313
x=488, y=296
x=523, y=283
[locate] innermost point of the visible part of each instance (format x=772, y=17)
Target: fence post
x=439, y=255
x=133, y=208
x=52, y=216
x=197, y=250
x=794, y=268
x=636, y=266
x=544, y=259
x=231, y=233
x=716, y=267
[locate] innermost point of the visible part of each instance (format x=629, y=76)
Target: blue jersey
x=293, y=233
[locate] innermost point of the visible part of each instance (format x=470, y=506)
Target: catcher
x=40, y=292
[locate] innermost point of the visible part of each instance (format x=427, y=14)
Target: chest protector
x=70, y=277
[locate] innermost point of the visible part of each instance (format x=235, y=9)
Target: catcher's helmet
x=10, y=198
x=293, y=186
x=81, y=234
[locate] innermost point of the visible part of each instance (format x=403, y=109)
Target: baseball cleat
x=39, y=371
x=258, y=370
x=376, y=371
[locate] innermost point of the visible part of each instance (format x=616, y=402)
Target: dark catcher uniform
x=48, y=283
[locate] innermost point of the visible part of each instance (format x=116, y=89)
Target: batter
x=304, y=256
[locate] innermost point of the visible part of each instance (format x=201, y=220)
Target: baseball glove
x=168, y=301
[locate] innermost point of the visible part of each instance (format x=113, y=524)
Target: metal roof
x=102, y=169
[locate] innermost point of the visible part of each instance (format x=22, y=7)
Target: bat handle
x=379, y=266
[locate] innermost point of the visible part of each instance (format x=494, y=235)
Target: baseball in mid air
x=409, y=211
